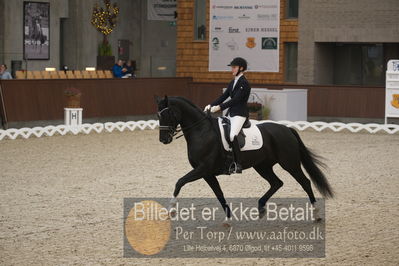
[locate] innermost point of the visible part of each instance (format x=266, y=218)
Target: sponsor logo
x=395, y=100
x=250, y=42
x=269, y=43
x=217, y=29
x=234, y=30
x=232, y=45
x=255, y=141
x=215, y=44
x=243, y=7
x=395, y=66
x=261, y=30
x=222, y=17
x=266, y=17
x=244, y=17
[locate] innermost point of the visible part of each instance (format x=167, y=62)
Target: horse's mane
x=188, y=102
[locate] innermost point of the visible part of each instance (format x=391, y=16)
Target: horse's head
x=169, y=119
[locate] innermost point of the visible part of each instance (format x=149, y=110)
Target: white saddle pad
x=253, y=139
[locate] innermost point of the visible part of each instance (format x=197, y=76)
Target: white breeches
x=236, y=124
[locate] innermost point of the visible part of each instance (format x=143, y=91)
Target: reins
x=186, y=129
x=174, y=131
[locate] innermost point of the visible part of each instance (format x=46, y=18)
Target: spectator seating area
x=76, y=74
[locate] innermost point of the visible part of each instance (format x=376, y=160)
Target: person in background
x=118, y=70
x=4, y=74
x=129, y=68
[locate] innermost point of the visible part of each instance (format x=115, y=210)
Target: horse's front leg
x=215, y=186
x=193, y=175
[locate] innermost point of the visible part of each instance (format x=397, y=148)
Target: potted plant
x=104, y=48
x=104, y=20
x=266, y=107
x=105, y=59
x=72, y=96
x=265, y=112
x=254, y=109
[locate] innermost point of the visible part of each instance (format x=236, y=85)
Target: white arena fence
x=153, y=124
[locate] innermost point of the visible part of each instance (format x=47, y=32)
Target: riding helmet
x=240, y=62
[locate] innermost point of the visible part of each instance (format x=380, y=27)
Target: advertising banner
x=248, y=29
x=392, y=90
x=161, y=10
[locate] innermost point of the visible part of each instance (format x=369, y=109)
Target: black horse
x=281, y=145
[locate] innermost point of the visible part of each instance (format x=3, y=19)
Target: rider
x=239, y=90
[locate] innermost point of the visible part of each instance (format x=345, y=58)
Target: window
x=358, y=64
x=373, y=65
x=200, y=20
x=291, y=61
x=291, y=9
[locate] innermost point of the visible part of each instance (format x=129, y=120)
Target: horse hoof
x=172, y=214
x=262, y=213
x=226, y=225
x=318, y=220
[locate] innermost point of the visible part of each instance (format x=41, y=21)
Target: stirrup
x=234, y=168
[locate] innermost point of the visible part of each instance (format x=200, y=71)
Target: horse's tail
x=310, y=160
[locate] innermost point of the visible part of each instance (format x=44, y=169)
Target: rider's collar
x=239, y=76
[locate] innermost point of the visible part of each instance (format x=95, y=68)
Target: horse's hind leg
x=267, y=173
x=303, y=181
x=307, y=186
x=291, y=162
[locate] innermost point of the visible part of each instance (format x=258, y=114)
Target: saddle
x=227, y=127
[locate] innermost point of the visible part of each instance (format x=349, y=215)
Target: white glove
x=215, y=109
x=207, y=107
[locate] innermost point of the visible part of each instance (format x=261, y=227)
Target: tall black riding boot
x=236, y=166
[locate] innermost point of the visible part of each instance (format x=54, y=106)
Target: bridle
x=173, y=130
